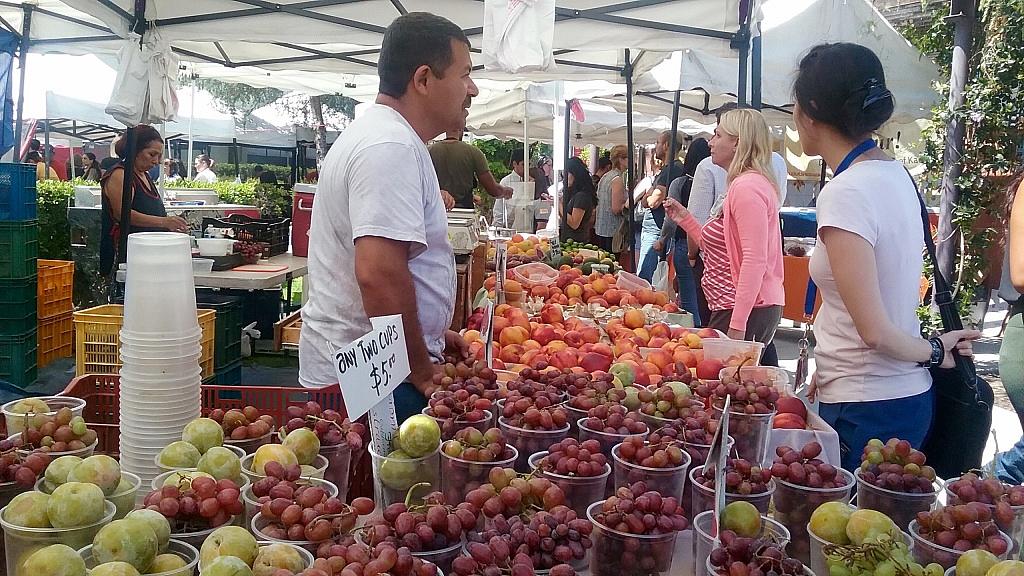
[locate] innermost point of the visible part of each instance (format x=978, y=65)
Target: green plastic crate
x=19, y=249
x=230, y=375
x=18, y=306
x=227, y=342
x=18, y=359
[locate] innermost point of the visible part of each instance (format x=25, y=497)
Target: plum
x=58, y=470
x=157, y=522
x=220, y=463
x=179, y=454
x=829, y=521
x=75, y=504
x=272, y=452
x=101, y=470
x=304, y=443
x=227, y=541
x=28, y=510
x=419, y=435
x=203, y=433
x=114, y=569
x=276, y=556
x=226, y=566
x=166, y=563
x=55, y=560
x=128, y=540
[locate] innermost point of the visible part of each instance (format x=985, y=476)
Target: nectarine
x=634, y=319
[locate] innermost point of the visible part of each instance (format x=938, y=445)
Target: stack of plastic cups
x=160, y=372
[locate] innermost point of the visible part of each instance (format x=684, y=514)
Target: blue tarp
x=8, y=46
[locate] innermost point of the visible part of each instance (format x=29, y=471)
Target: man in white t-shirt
x=379, y=234
x=502, y=214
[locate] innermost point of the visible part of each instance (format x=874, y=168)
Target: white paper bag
x=518, y=35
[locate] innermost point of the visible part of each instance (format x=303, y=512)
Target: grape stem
x=412, y=489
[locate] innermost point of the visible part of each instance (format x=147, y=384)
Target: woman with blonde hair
x=741, y=241
x=611, y=199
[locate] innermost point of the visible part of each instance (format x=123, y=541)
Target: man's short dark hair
x=517, y=155
x=728, y=107
x=257, y=168
x=413, y=40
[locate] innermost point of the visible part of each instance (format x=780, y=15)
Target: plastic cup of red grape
x=667, y=480
x=580, y=491
x=704, y=497
x=704, y=542
x=794, y=505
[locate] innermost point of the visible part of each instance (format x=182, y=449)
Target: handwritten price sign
x=370, y=368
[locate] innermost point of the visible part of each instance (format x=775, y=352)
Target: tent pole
x=47, y=154
x=26, y=27
x=627, y=71
x=74, y=130
x=191, y=115
x=741, y=42
x=234, y=146
x=675, y=123
x=566, y=152
x=755, y=71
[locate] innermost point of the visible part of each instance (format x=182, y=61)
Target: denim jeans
x=408, y=401
x=686, y=284
x=650, y=231
x=857, y=422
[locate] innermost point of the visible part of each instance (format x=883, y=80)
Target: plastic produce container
x=250, y=445
x=580, y=492
x=81, y=452
x=197, y=537
x=619, y=554
x=179, y=548
x=794, y=505
x=575, y=415
x=819, y=563
x=900, y=506
x=442, y=558
x=750, y=432
x=704, y=542
x=926, y=552
x=19, y=542
x=605, y=439
x=202, y=265
x=712, y=570
x=665, y=481
x=259, y=522
x=529, y=442
x=1015, y=530
x=534, y=274
x=16, y=422
x=460, y=477
x=339, y=462
x=773, y=374
x=460, y=422
x=307, y=557
x=730, y=352
x=238, y=452
x=253, y=506
x=319, y=464
x=394, y=477
x=215, y=246
x=631, y=282
x=704, y=498
x=158, y=482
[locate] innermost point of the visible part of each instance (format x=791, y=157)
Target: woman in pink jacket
x=741, y=241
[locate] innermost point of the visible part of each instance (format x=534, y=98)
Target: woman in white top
x=204, y=169
x=872, y=379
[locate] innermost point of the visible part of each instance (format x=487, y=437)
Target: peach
x=643, y=334
x=657, y=342
x=669, y=346
x=655, y=379
x=659, y=358
x=574, y=339
x=684, y=356
x=789, y=420
x=603, y=349
x=498, y=364
x=644, y=296
x=521, y=322
x=490, y=282
x=539, y=292
x=591, y=334
x=612, y=295
x=599, y=285
x=502, y=309
x=661, y=329
x=476, y=350
x=531, y=345
x=678, y=333
x=622, y=348
x=540, y=361
x=574, y=291
x=660, y=299
x=670, y=307
x=511, y=353
x=693, y=341
x=499, y=323
x=544, y=335
x=551, y=314
x=471, y=336
x=598, y=301
x=631, y=358
x=513, y=335
x=629, y=300
x=634, y=319
x=564, y=359
x=593, y=362
x=709, y=369
x=707, y=333
x=528, y=356
x=555, y=346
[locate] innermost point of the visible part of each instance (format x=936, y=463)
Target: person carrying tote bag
x=872, y=378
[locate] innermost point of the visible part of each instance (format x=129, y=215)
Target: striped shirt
x=717, y=280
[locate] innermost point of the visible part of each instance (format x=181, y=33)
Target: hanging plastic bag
x=660, y=280
x=145, y=88
x=131, y=88
x=518, y=35
x=163, y=80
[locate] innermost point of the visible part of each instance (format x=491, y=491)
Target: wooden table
x=294, y=267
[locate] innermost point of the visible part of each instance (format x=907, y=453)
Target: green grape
x=78, y=428
x=885, y=568
x=933, y=569
x=917, y=569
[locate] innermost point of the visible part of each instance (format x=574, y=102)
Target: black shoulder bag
x=962, y=416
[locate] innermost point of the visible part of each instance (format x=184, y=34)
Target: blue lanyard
x=857, y=152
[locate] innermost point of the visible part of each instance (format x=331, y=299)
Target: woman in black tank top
x=148, y=213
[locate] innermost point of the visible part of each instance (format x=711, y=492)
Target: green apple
x=228, y=541
x=75, y=504
x=55, y=560
x=272, y=452
x=179, y=454
x=28, y=510
x=829, y=521
x=304, y=443
x=867, y=525
x=227, y=566
x=101, y=470
x=114, y=569
x=419, y=435
x=157, y=522
x=975, y=563
x=398, y=471
x=166, y=563
x=58, y=470
x=273, y=557
x=742, y=518
x=220, y=463
x=131, y=541
x=183, y=479
x=1007, y=568
x=203, y=433
x=624, y=372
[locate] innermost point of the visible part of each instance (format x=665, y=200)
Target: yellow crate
x=55, y=339
x=56, y=284
x=98, y=344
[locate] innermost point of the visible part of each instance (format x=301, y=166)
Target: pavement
x=1006, y=425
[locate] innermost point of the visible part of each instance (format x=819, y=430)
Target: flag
x=577, y=111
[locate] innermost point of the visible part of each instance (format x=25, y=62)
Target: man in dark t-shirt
x=459, y=166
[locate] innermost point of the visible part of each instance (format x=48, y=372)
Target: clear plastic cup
x=580, y=491
x=319, y=467
x=616, y=553
x=818, y=562
x=794, y=505
x=307, y=556
x=393, y=477
x=902, y=507
x=605, y=439
x=81, y=452
x=19, y=541
x=253, y=504
x=732, y=352
x=181, y=549
x=16, y=421
x=773, y=374
x=665, y=481
x=575, y=414
x=195, y=536
x=184, y=339
x=1015, y=529
x=926, y=552
x=751, y=433
x=712, y=570
x=528, y=442
x=160, y=296
x=442, y=558
x=704, y=542
x=250, y=445
x=123, y=500
x=158, y=482
x=704, y=498
x=460, y=477
x=259, y=523
x=339, y=463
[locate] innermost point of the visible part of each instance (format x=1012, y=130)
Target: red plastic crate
x=101, y=393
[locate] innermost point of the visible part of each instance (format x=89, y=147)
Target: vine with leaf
x=994, y=120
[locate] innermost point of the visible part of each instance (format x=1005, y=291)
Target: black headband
x=876, y=92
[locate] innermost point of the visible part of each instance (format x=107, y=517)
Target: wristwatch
x=938, y=354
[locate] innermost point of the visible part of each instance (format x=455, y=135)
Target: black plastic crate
x=17, y=191
x=275, y=232
x=230, y=375
x=228, y=340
